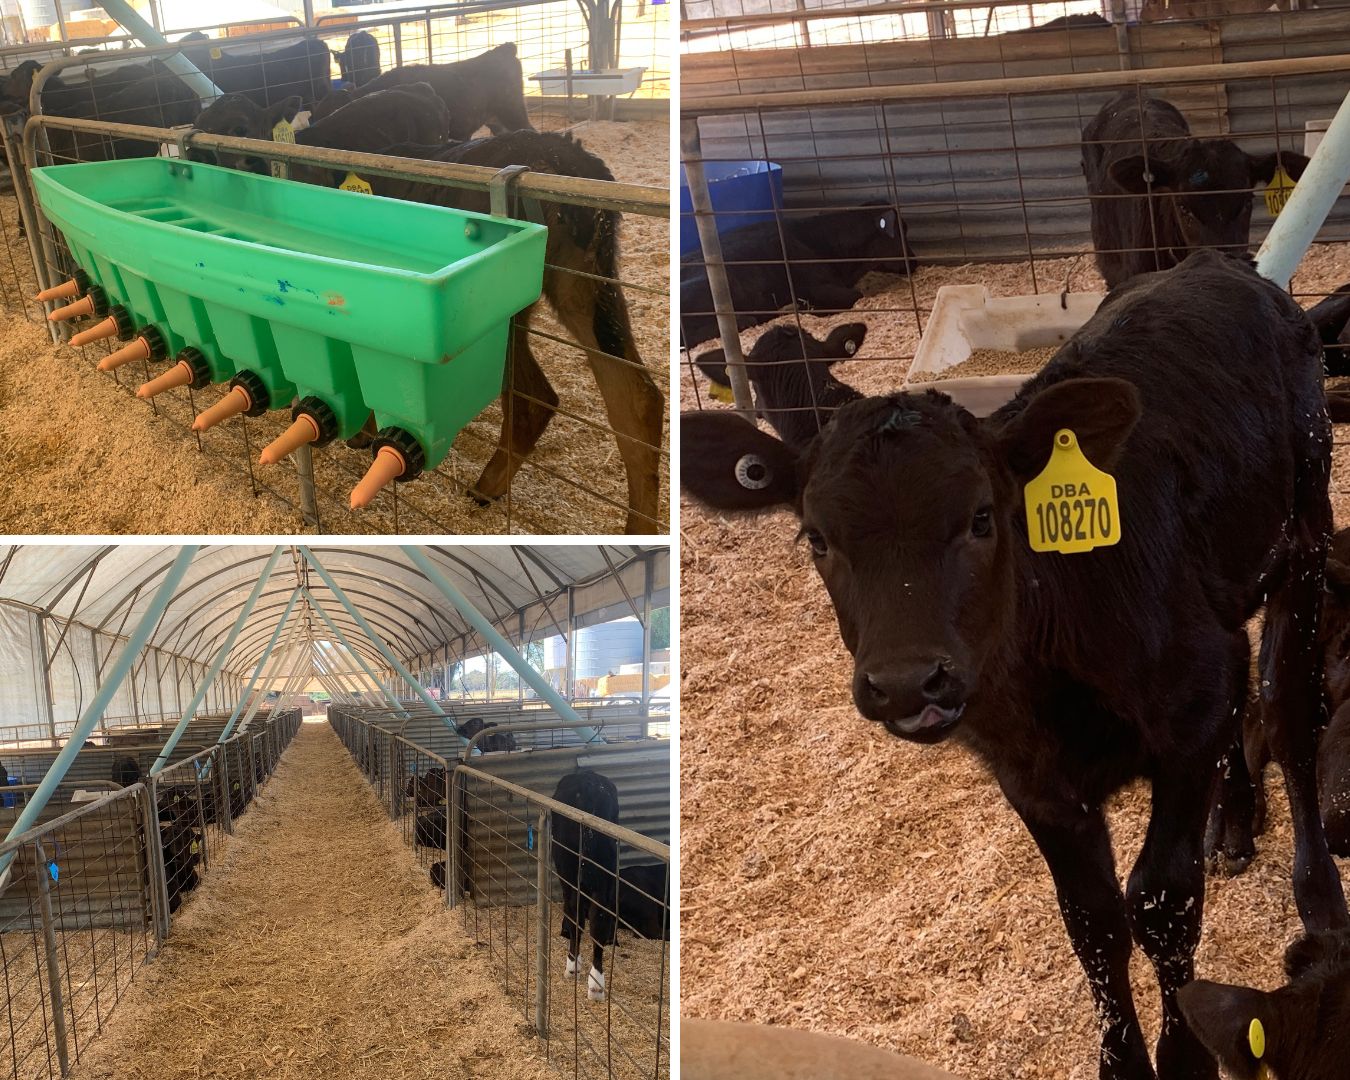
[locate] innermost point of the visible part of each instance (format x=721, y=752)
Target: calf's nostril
x=874, y=690
x=937, y=682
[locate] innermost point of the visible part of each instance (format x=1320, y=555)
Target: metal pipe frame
x=144, y=628
x=219, y=663
x=497, y=640
x=332, y=626
x=262, y=661
x=1312, y=199
x=1021, y=85
x=281, y=665
x=180, y=65
x=385, y=651
x=549, y=187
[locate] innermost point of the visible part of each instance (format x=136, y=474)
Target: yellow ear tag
x=195, y=847
x=355, y=183
x=1071, y=505
x=1256, y=1041
x=718, y=392
x=1279, y=189
x=282, y=132
x=216, y=54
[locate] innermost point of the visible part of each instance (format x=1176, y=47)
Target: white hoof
x=572, y=966
x=595, y=986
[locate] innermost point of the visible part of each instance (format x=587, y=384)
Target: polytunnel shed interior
x=345, y=732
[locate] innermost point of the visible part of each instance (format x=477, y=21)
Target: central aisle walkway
x=315, y=950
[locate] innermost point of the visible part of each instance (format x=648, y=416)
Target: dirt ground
x=79, y=454
x=839, y=880
x=315, y=948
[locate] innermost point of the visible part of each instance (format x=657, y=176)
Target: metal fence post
x=151, y=826
x=543, y=923
x=53, y=964
x=449, y=787
x=453, y=823
x=161, y=877
x=226, y=810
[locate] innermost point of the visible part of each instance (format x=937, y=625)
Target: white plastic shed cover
x=80, y=602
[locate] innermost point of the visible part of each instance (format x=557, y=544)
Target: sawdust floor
x=80, y=454
x=839, y=880
x=315, y=948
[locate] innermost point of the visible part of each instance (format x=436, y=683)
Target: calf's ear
x=732, y=465
x=713, y=364
x=1100, y=412
x=1220, y=1017
x=844, y=341
x=283, y=110
x=1136, y=174
x=1263, y=166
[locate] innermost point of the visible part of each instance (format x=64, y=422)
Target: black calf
x=790, y=372
x=1305, y=1025
x=587, y=865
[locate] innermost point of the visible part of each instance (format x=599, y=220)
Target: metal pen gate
x=481, y=825
x=88, y=899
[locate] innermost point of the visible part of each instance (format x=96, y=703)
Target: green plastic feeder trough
x=354, y=303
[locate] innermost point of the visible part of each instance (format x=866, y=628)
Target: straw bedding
x=83, y=456
x=839, y=880
x=315, y=948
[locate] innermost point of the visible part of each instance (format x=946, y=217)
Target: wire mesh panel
x=77, y=921
x=989, y=194
x=543, y=459
x=488, y=840
x=574, y=911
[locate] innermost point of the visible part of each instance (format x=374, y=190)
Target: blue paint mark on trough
x=275, y=300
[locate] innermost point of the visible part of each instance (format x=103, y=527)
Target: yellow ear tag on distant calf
x=1256, y=1041
x=282, y=132
x=718, y=392
x=1279, y=189
x=1071, y=505
x=355, y=183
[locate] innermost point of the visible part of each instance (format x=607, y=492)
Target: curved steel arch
x=373, y=597
x=266, y=628
x=437, y=617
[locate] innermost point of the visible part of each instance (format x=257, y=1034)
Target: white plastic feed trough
x=610, y=82
x=967, y=317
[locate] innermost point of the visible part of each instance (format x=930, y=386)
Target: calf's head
x=241, y=117
x=1305, y=1024
x=912, y=508
x=1205, y=189
x=790, y=367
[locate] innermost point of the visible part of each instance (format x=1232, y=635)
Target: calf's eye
x=818, y=546
x=983, y=522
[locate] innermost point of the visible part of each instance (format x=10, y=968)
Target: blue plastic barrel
x=743, y=192
x=10, y=798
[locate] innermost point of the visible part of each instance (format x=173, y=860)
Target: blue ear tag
x=529, y=838
x=54, y=870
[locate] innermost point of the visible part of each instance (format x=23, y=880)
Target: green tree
x=661, y=628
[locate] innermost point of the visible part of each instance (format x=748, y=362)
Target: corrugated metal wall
x=500, y=863
x=992, y=177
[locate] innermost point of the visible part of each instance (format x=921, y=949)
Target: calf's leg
x=1166, y=898
x=1229, y=845
x=597, y=315
x=1292, y=703
x=1077, y=849
x=528, y=403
